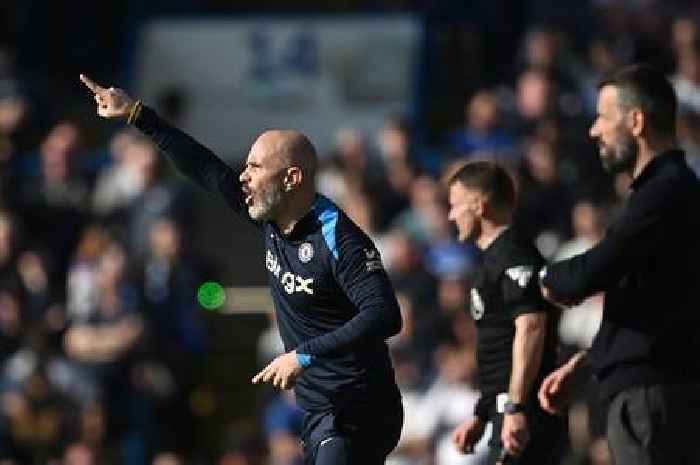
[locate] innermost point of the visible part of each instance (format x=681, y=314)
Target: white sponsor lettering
x=291, y=282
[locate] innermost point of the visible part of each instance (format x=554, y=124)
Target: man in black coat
x=645, y=354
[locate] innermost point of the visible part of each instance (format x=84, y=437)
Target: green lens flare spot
x=211, y=295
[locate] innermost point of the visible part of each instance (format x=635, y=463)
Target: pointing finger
x=92, y=85
x=555, y=386
x=257, y=378
x=269, y=374
x=544, y=401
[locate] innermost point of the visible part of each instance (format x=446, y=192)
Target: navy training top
x=333, y=299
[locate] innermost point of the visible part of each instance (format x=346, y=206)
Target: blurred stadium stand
x=105, y=355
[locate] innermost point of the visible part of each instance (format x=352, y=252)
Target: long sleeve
x=360, y=274
x=483, y=407
x=194, y=160
x=637, y=235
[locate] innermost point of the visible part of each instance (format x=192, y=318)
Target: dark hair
x=489, y=178
x=645, y=87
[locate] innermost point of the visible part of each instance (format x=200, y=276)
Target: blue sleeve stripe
x=304, y=360
x=328, y=216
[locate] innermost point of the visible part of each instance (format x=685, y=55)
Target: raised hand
x=111, y=102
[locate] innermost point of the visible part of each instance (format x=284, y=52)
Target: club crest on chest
x=306, y=252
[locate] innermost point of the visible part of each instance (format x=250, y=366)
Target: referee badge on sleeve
x=477, y=304
x=521, y=274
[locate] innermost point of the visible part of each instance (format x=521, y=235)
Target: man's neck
x=489, y=233
x=293, y=213
x=647, y=152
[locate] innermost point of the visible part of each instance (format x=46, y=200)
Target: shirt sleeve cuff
x=305, y=360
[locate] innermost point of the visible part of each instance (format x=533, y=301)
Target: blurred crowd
x=99, y=332
x=101, y=341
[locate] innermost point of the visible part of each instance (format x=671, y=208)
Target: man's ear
x=637, y=122
x=480, y=206
x=293, y=178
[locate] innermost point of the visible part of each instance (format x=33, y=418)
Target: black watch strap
x=511, y=408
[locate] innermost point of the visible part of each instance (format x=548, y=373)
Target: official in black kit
x=516, y=327
x=646, y=355
x=334, y=303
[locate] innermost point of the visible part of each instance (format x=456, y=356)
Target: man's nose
x=593, y=132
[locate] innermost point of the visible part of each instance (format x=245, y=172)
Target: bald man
x=334, y=303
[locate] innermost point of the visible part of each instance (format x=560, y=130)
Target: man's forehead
x=460, y=191
x=607, y=97
x=253, y=155
x=267, y=147
x=454, y=190
x=260, y=152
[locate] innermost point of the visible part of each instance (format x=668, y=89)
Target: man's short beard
x=265, y=208
x=622, y=158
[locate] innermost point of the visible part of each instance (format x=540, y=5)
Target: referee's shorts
x=356, y=435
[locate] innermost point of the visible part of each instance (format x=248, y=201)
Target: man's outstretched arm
x=642, y=227
x=190, y=157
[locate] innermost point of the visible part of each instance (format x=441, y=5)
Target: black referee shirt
x=648, y=266
x=334, y=302
x=505, y=286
